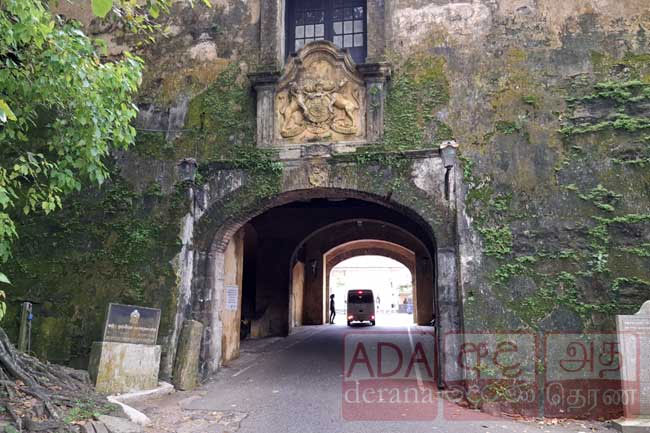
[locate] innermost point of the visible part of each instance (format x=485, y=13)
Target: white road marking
x=242, y=370
x=418, y=375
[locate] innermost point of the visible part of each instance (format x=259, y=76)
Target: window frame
x=290, y=28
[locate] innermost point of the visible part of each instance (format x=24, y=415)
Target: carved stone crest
x=320, y=97
x=318, y=173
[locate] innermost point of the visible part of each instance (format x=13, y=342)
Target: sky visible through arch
x=389, y=280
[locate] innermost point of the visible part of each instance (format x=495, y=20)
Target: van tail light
x=372, y=317
x=350, y=317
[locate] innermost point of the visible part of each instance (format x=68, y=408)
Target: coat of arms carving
x=320, y=97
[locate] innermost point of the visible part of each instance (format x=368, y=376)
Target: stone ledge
x=639, y=425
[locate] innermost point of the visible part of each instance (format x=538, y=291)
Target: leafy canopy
x=137, y=16
x=62, y=110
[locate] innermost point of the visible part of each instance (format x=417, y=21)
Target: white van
x=361, y=306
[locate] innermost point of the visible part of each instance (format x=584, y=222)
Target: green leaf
x=101, y=7
x=5, y=112
x=154, y=11
x=4, y=279
x=207, y=3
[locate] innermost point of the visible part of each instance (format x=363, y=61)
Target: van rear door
x=361, y=305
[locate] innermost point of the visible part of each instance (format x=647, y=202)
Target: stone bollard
x=186, y=366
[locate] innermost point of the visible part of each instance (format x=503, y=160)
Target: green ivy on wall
x=605, y=126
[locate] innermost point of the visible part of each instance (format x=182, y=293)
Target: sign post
x=128, y=358
x=24, y=335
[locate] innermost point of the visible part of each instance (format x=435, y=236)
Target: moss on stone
x=219, y=120
x=153, y=145
x=107, y=245
x=419, y=89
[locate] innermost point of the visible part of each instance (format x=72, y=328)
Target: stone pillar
x=375, y=76
x=186, y=366
x=449, y=325
x=230, y=305
x=634, y=348
x=423, y=291
x=313, y=299
x=264, y=84
x=376, y=30
x=272, y=33
x=297, y=293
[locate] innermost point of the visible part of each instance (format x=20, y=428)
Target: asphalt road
x=307, y=383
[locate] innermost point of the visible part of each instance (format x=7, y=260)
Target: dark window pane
x=344, y=24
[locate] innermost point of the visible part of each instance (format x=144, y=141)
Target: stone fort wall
x=548, y=101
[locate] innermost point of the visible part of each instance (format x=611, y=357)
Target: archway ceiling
x=293, y=223
x=368, y=247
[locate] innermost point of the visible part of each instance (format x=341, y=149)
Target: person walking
x=332, y=309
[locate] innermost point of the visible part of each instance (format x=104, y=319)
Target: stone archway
x=230, y=198
x=211, y=276
x=341, y=238
x=371, y=247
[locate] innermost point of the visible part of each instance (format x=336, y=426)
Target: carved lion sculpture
x=349, y=106
x=293, y=108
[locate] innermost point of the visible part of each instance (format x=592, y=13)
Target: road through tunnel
x=270, y=271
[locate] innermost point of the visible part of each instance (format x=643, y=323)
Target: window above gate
x=342, y=22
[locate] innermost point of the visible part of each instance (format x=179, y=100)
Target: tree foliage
x=62, y=110
x=137, y=16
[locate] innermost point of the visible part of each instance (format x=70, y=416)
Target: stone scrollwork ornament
x=320, y=97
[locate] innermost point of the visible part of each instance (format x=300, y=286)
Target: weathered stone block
x=634, y=342
x=119, y=425
x=123, y=367
x=641, y=425
x=186, y=366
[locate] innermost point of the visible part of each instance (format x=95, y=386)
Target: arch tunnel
x=278, y=256
x=281, y=259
